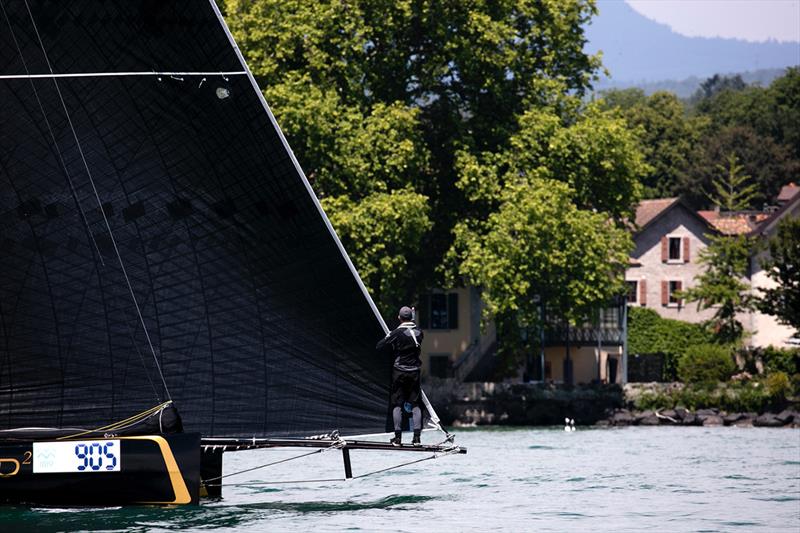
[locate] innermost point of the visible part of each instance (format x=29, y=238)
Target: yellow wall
x=584, y=362
x=451, y=342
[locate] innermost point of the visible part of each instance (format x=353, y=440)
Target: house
x=457, y=346
x=765, y=329
x=668, y=239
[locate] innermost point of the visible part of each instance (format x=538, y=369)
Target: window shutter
x=686, y=249
x=664, y=250
x=664, y=292
x=643, y=292
x=452, y=310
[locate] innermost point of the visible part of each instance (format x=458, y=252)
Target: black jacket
x=404, y=343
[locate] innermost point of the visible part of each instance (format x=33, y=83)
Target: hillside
x=638, y=51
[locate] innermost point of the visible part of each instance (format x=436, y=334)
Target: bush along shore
x=646, y=404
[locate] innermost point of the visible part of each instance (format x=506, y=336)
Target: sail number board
x=76, y=456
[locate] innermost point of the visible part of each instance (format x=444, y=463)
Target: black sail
x=158, y=220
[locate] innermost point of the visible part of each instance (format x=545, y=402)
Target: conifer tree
x=732, y=191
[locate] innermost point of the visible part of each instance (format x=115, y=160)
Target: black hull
x=154, y=469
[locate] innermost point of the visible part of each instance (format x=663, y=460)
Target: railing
x=583, y=336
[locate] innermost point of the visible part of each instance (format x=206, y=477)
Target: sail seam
x=99, y=203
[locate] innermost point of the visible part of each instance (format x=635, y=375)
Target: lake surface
x=523, y=479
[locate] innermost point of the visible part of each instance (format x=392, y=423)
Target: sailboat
x=170, y=287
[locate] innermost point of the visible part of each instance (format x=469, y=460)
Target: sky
x=751, y=20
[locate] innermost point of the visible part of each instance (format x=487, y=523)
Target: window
x=674, y=286
x=675, y=249
x=633, y=291
x=439, y=365
x=438, y=311
x=609, y=318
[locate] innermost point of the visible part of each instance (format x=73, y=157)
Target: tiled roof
x=787, y=192
x=734, y=223
x=647, y=210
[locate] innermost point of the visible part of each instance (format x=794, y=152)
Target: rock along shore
x=529, y=404
x=701, y=417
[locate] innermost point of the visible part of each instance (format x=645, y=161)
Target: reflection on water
x=673, y=479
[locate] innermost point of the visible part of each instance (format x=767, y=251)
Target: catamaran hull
x=146, y=469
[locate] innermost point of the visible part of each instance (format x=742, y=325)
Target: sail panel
x=255, y=318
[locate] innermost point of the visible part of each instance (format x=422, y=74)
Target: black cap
x=405, y=313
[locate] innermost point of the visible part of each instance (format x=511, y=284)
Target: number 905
x=93, y=454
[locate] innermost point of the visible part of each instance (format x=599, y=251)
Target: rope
x=99, y=202
x=120, y=424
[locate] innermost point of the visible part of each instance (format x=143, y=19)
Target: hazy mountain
x=637, y=50
x=686, y=88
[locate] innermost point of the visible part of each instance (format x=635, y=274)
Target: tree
x=540, y=244
x=783, y=267
x=668, y=136
x=382, y=233
x=590, y=149
x=377, y=97
x=761, y=157
x=732, y=192
x=721, y=286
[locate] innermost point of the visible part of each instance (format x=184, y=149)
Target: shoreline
x=541, y=405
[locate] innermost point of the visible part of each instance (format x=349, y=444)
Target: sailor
x=404, y=345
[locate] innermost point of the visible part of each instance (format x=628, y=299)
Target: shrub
x=706, y=364
x=778, y=385
x=781, y=360
x=648, y=333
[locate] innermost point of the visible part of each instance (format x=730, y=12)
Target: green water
x=633, y=479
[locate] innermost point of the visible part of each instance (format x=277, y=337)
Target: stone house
x=668, y=239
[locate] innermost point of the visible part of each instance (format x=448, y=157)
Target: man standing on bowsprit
x=404, y=344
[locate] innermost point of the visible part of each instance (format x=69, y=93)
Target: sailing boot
x=416, y=441
x=398, y=439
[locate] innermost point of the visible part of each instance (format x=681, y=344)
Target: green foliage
x=683, y=142
x=648, y=333
x=382, y=232
x=591, y=150
x=783, y=267
x=778, y=385
x=540, y=243
x=377, y=97
x=781, y=360
x=731, y=190
x=668, y=136
x=720, y=285
x=761, y=156
x=706, y=363
x=744, y=397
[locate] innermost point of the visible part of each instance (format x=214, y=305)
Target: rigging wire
x=445, y=453
x=333, y=446
x=52, y=135
x=99, y=202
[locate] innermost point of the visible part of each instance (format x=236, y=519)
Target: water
x=669, y=479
